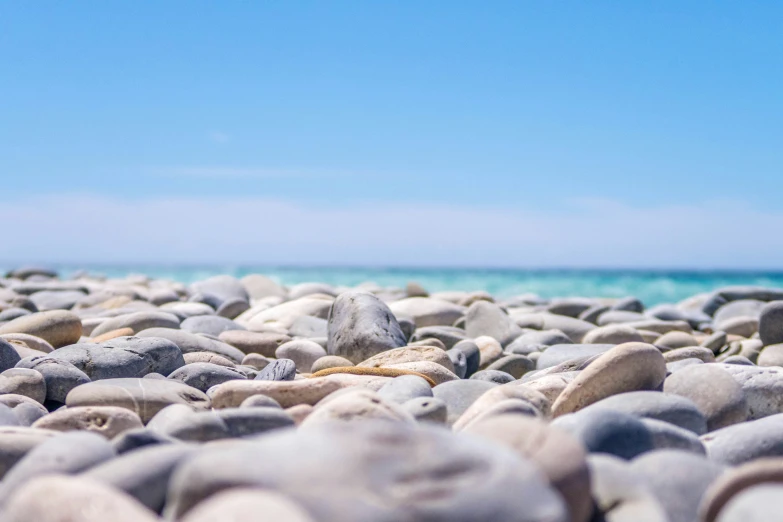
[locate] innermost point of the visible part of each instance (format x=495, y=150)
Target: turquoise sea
x=652, y=286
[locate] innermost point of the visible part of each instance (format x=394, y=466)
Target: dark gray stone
x=735, y=293
x=669, y=436
x=472, y=356
x=278, y=370
x=537, y=341
x=60, y=375
x=232, y=308
x=360, y=325
x=629, y=304
x=427, y=409
x=592, y=314
x=132, y=440
x=608, y=431
x=448, y=335
x=515, y=365
x=203, y=376
x=8, y=356
x=224, y=287
x=671, y=408
x=459, y=361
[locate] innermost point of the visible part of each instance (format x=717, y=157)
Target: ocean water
x=651, y=286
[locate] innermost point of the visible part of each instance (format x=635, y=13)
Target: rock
x=516, y=365
x=736, y=480
x=661, y=327
x=56, y=327
x=404, y=388
x=619, y=317
x=144, y=396
x=73, y=498
x=223, y=287
x=137, y=321
x=500, y=393
x=124, y=357
x=303, y=352
x=488, y=319
x=612, y=334
x=438, y=373
x=715, y=342
x=537, y=341
x=770, y=323
x=361, y=326
x=496, y=376
x=209, y=324
x=570, y=306
x=12, y=313
x=356, y=405
x=575, y=329
x=746, y=441
x=459, y=361
x=552, y=385
x=255, y=342
x=667, y=407
x=426, y=311
x=8, y=355
x=675, y=339
x=448, y=335
x=60, y=376
x=408, y=354
x=46, y=300
x=108, y=336
x=232, y=308
x=259, y=286
x=248, y=505
x=278, y=370
x=608, y=431
x=489, y=350
x=678, y=479
x=739, y=308
x=132, y=440
x=284, y=315
x=756, y=504
x=227, y=423
x=560, y=456
x=427, y=409
x=714, y=392
x=742, y=326
x=734, y=293
x=629, y=304
x=212, y=358
x=459, y=395
x=669, y=436
x=691, y=352
x=626, y=367
x=676, y=366
x=31, y=341
x=762, y=388
x=561, y=353
x=771, y=355
x=67, y=454
x=16, y=442
x=203, y=376
x=330, y=361
x=472, y=356
x=189, y=343
x=592, y=314
x=494, y=483
x=23, y=381
x=620, y=494
x=738, y=359
x=108, y=421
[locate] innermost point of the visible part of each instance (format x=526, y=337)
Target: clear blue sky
x=582, y=133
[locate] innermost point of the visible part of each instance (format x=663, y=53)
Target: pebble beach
x=239, y=399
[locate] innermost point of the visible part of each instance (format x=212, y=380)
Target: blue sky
x=444, y=133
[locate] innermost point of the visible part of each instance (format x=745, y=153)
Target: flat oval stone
x=713, y=390
x=108, y=421
x=472, y=356
x=208, y=357
x=516, y=365
x=459, y=395
x=408, y=354
x=607, y=431
x=448, y=335
x=427, y=409
x=227, y=423
x=23, y=381
x=667, y=407
x=67, y=498
x=31, y=341
x=56, y=327
x=360, y=326
x=626, y=367
x=770, y=323
x=203, y=376
x=132, y=440
x=485, y=318
x=189, y=342
x=209, y=324
x=496, y=376
x=490, y=398
x=746, y=441
x=302, y=351
x=427, y=311
x=690, y=352
x=561, y=353
x=404, y=388
x=244, y=505
x=144, y=396
x=612, y=334
x=669, y=436
x=138, y=321
x=366, y=475
x=736, y=480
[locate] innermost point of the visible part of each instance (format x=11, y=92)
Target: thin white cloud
x=85, y=228
x=219, y=137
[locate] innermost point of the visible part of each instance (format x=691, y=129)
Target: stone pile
x=244, y=400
